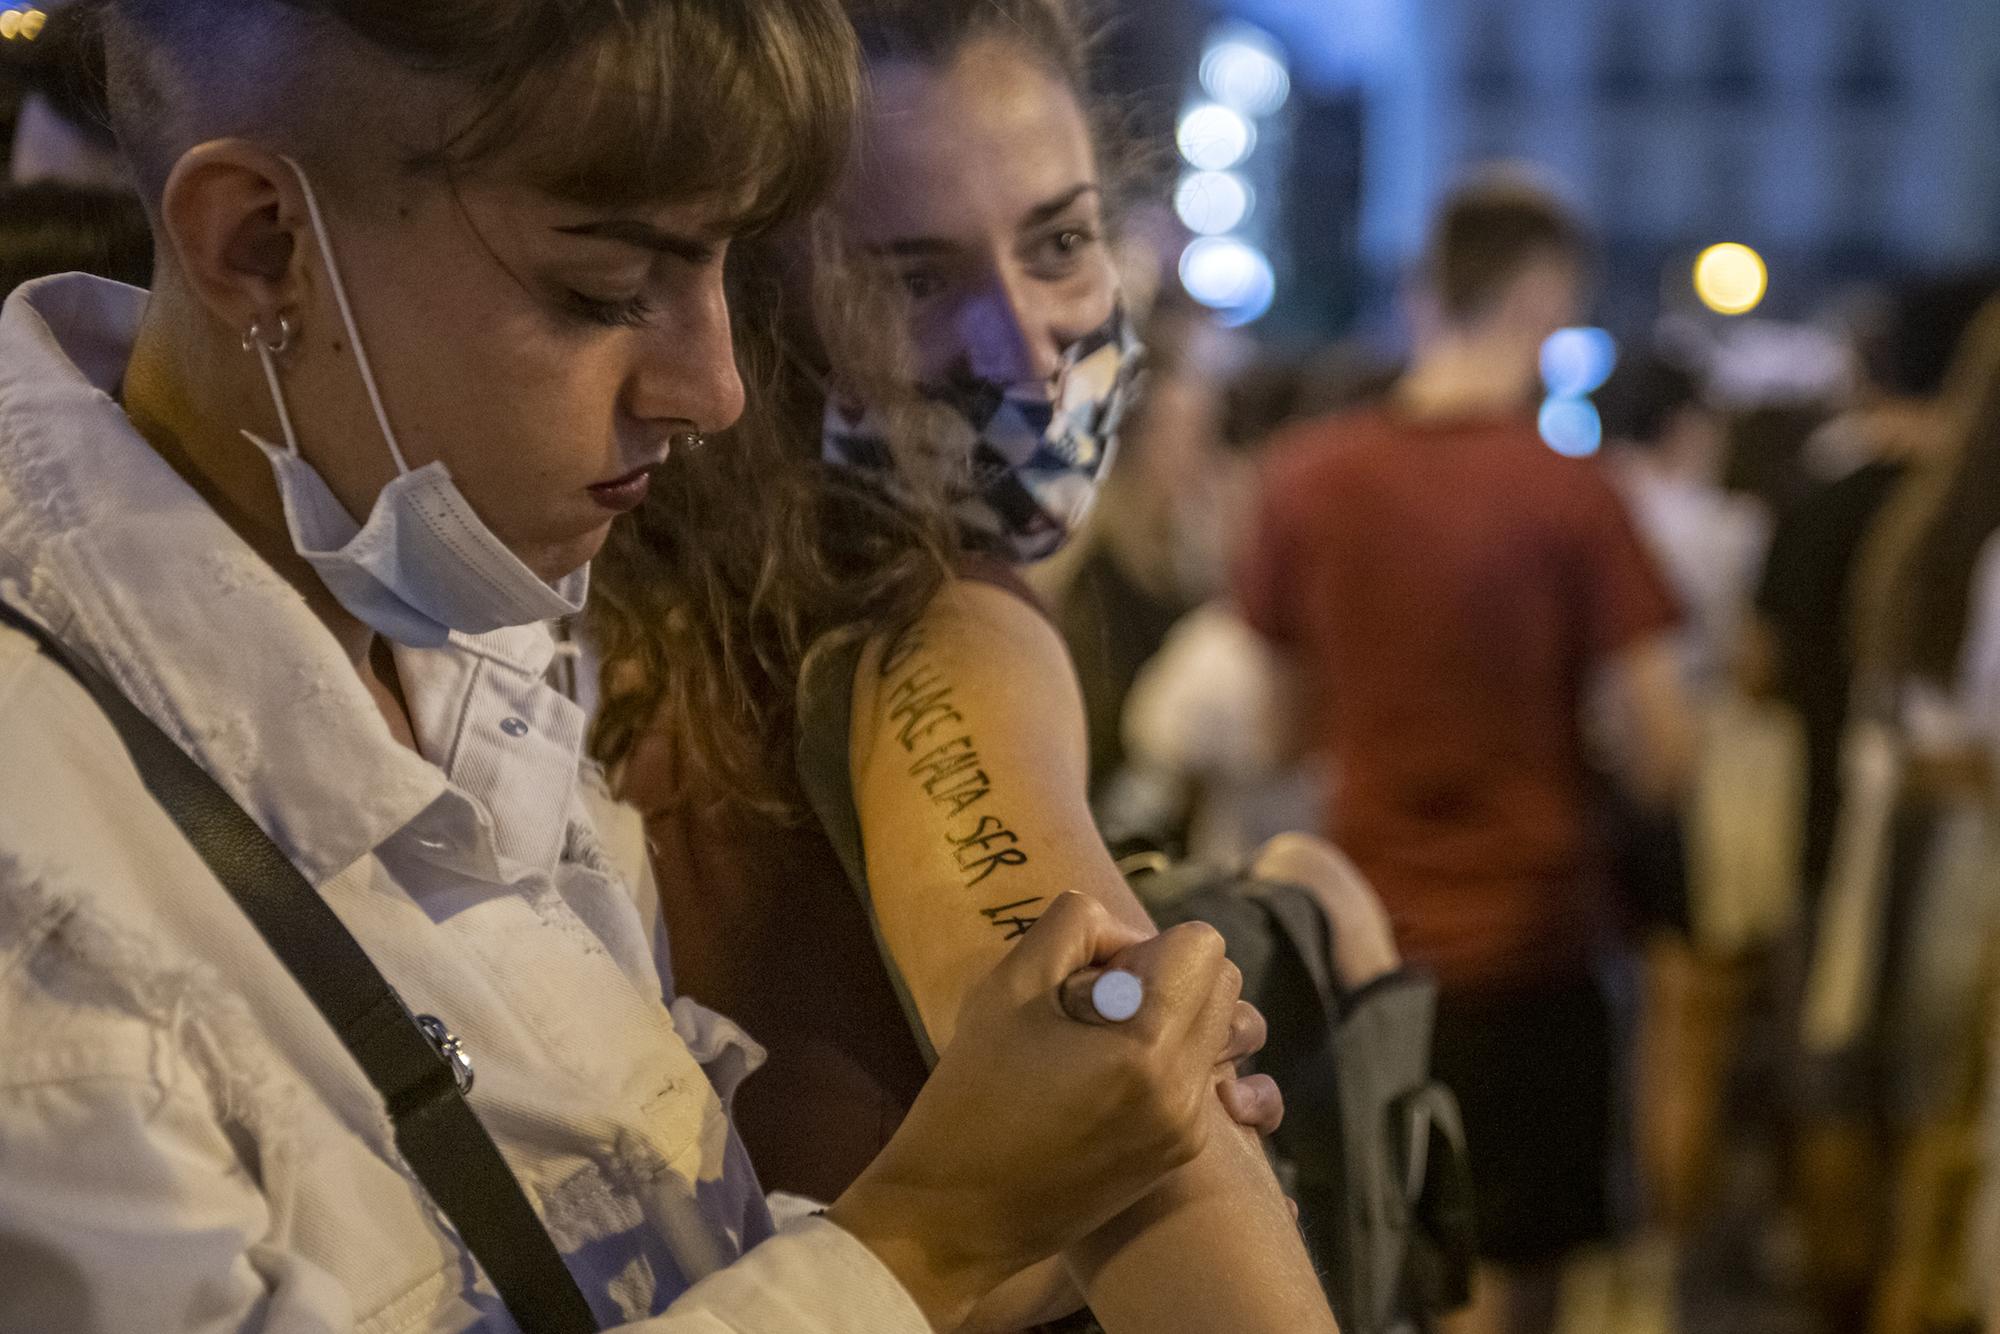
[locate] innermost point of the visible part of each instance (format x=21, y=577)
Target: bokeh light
x=1245, y=69
x=1232, y=278
x=1212, y=202
x=1731, y=279
x=1577, y=362
x=1572, y=427
x=1215, y=138
x=10, y=24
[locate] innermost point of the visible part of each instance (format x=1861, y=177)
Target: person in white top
x=437, y=286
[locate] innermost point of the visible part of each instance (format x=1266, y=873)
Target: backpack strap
x=421, y=1077
x=826, y=773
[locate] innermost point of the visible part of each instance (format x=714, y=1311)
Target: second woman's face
x=977, y=190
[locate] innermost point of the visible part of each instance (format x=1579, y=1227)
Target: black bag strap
x=436, y=1130
x=826, y=729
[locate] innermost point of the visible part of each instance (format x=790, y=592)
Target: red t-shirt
x=1446, y=588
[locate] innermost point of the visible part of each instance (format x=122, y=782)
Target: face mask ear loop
x=321, y=235
x=270, y=364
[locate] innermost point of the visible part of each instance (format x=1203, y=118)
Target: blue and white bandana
x=1037, y=460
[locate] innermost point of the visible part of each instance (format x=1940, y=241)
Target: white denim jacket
x=184, y=1144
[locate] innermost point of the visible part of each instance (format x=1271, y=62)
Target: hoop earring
x=257, y=337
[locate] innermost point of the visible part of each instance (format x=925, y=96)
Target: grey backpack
x=1372, y=1148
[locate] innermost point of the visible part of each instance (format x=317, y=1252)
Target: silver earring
x=258, y=337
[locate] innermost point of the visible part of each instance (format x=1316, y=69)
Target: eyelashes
x=1052, y=257
x=609, y=312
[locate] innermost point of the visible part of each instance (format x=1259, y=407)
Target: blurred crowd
x=1801, y=948
x=1676, y=765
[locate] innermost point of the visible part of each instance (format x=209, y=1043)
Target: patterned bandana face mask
x=1037, y=460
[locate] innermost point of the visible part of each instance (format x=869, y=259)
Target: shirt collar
x=108, y=546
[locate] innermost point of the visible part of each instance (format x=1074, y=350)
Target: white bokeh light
x=1213, y=202
x=1231, y=277
x=1245, y=69
x=1214, y=138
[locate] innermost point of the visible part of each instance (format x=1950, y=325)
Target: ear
x=234, y=216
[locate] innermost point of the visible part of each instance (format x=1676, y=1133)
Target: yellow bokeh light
x=31, y=24
x=10, y=24
x=1731, y=279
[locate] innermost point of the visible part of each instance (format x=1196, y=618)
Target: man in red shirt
x=1450, y=592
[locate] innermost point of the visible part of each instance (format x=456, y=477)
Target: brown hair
x=1917, y=579
x=753, y=558
x=932, y=32
x=1488, y=232
x=613, y=103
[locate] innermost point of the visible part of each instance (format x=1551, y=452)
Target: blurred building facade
x=1842, y=138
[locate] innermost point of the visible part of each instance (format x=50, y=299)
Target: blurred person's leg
x=1839, y=1186
x=1986, y=1235
x=1629, y=1290
x=1685, y=1042
x=1935, y=1041
x=1743, y=853
x=1846, y=1182
x=1508, y=1299
x=1688, y=1034
x=1539, y=1073
x=1926, y=1285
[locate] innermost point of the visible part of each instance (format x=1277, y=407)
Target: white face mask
x=424, y=564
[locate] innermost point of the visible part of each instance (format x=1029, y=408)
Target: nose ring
x=688, y=440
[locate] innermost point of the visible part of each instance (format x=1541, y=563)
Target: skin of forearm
x=1214, y=1250
x=1225, y=1207
x=967, y=807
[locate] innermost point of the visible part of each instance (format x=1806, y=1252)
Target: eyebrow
x=912, y=247
x=632, y=231
x=1042, y=213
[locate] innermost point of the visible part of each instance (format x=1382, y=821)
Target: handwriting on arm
x=945, y=767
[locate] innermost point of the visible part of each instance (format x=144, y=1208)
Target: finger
x=1180, y=962
x=1248, y=1032
x=1102, y=996
x=1181, y=970
x=1075, y=933
x=1211, y=1031
x=1253, y=1102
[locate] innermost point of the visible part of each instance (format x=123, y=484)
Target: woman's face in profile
x=977, y=189
x=543, y=351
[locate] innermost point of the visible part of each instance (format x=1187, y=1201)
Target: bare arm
x=970, y=772
x=1648, y=689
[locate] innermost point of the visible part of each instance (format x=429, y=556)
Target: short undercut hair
x=1492, y=230
x=617, y=103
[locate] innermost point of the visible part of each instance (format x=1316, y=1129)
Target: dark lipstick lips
x=623, y=494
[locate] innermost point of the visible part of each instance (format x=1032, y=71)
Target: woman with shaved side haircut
x=325, y=1007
